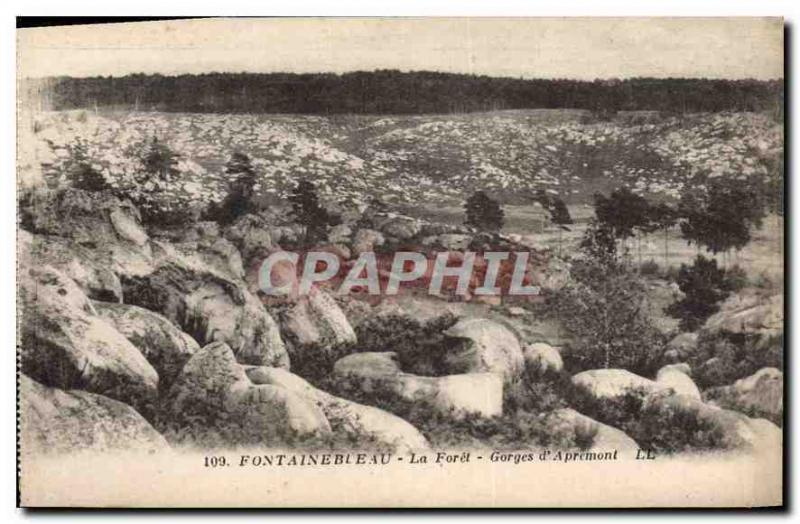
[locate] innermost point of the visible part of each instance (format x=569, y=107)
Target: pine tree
x=241, y=183
x=308, y=211
x=483, y=213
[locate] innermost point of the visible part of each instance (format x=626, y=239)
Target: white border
x=787, y=9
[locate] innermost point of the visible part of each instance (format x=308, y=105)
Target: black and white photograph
x=401, y=262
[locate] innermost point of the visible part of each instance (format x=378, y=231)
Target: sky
x=579, y=48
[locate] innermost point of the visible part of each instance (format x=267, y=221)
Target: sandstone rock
x=340, y=234
x=97, y=280
x=761, y=392
x=64, y=344
x=612, y=383
x=366, y=240
x=448, y=241
x=210, y=307
x=677, y=377
x=356, y=420
x=457, y=395
x=164, y=346
x=543, y=357
x=367, y=364
x=486, y=346
x=734, y=430
x=316, y=323
x=203, y=241
x=683, y=345
x=399, y=227
x=56, y=421
x=749, y=313
x=213, y=387
x=603, y=437
x=251, y=235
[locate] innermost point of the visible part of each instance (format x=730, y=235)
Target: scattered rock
x=761, y=392
x=56, y=421
x=64, y=344
x=682, y=346
x=586, y=430
x=365, y=240
x=485, y=346
x=214, y=388
x=251, y=234
x=210, y=307
x=340, y=234
x=749, y=314
x=543, y=357
x=359, y=422
x=677, y=377
x=611, y=383
x=316, y=323
x=164, y=346
x=734, y=430
x=457, y=395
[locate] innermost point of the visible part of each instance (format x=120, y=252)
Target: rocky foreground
x=146, y=340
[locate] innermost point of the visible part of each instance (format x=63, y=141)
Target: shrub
x=523, y=423
x=79, y=171
x=723, y=358
x=704, y=286
x=604, y=310
x=308, y=211
x=239, y=200
x=654, y=428
x=483, y=213
x=420, y=346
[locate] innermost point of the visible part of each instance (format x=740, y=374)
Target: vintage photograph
x=401, y=262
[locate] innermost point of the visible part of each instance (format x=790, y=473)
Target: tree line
x=396, y=92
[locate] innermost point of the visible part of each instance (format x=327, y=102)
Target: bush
x=239, y=200
x=483, y=213
x=704, y=286
x=735, y=278
x=420, y=346
x=664, y=431
x=523, y=423
x=723, y=358
x=608, y=321
x=308, y=211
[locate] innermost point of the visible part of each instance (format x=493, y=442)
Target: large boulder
x=209, y=306
x=98, y=227
x=65, y=344
x=480, y=345
x=166, y=347
x=215, y=388
x=397, y=227
x=682, y=346
x=96, y=279
x=761, y=392
x=56, y=421
x=366, y=240
x=358, y=422
x=251, y=234
x=677, y=377
x=205, y=242
x=613, y=383
x=732, y=429
x=456, y=395
x=598, y=436
x=543, y=357
x=749, y=314
x=315, y=322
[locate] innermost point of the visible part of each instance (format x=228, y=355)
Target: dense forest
x=396, y=92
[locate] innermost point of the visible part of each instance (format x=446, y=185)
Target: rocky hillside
x=425, y=158
x=147, y=339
